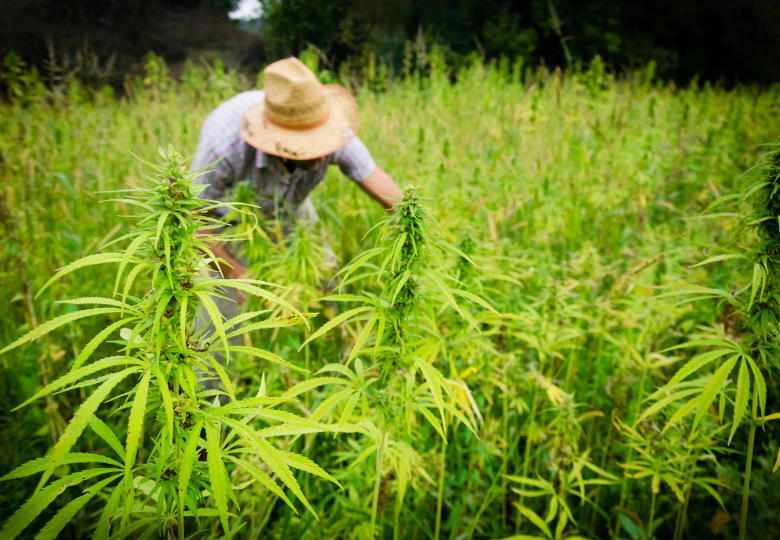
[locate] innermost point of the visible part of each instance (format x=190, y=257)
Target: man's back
x=220, y=141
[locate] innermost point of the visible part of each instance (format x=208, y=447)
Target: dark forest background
x=727, y=41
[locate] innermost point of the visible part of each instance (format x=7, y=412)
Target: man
x=282, y=140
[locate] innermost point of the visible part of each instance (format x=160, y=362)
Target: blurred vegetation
x=576, y=192
x=717, y=40
x=720, y=40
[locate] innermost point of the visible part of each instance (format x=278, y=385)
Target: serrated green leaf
x=165, y=394
x=96, y=341
x=362, y=337
x=136, y=421
x=349, y=407
x=276, y=322
x=340, y=368
x=741, y=399
x=717, y=258
x=309, y=384
x=692, y=366
x=433, y=421
x=89, y=260
x=40, y=464
x=137, y=269
x=711, y=390
x=755, y=282
x=104, y=522
x=660, y=404
x=447, y=291
x=105, y=433
x=256, y=402
x=260, y=353
x=708, y=489
x=264, y=479
x=305, y=464
x=79, y=422
x=168, y=268
x=217, y=475
x=534, y=518
x=681, y=413
x=760, y=383
x=334, y=322
x=216, y=320
x=42, y=499
x=183, y=318
x=434, y=385
x=128, y=255
x=404, y=278
x=271, y=456
x=53, y=528
x=403, y=468
x=328, y=404
x=188, y=460
x=160, y=222
x=474, y=298
x=223, y=376
x=245, y=285
x=53, y=324
x=272, y=415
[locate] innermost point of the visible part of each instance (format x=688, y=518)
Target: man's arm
x=379, y=186
x=230, y=273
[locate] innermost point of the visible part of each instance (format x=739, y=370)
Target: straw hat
x=300, y=118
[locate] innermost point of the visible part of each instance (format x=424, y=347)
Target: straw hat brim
x=303, y=144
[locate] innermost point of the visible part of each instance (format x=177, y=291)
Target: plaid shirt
x=220, y=138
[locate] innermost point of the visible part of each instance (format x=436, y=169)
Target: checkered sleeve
x=220, y=147
x=355, y=160
x=218, y=174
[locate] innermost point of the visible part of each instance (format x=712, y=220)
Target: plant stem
x=630, y=454
x=504, y=454
x=603, y=464
x=678, y=530
x=440, y=498
x=748, y=465
x=379, y=453
x=527, y=456
x=378, y=477
x=181, y=522
x=650, y=521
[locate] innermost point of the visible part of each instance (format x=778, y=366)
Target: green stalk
x=180, y=511
x=650, y=521
x=748, y=465
x=527, y=456
x=440, y=499
x=379, y=454
x=603, y=464
x=630, y=455
x=678, y=531
x=505, y=413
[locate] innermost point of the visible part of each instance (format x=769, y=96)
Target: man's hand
x=379, y=186
x=235, y=272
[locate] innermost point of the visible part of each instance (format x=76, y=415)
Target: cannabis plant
x=401, y=334
x=753, y=345
x=197, y=434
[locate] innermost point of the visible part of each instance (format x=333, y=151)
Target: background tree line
x=717, y=40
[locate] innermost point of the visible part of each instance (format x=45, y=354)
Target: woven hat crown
x=293, y=96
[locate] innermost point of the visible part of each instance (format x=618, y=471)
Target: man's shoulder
x=231, y=111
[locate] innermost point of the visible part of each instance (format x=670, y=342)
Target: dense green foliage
x=715, y=40
x=103, y=41
x=574, y=206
